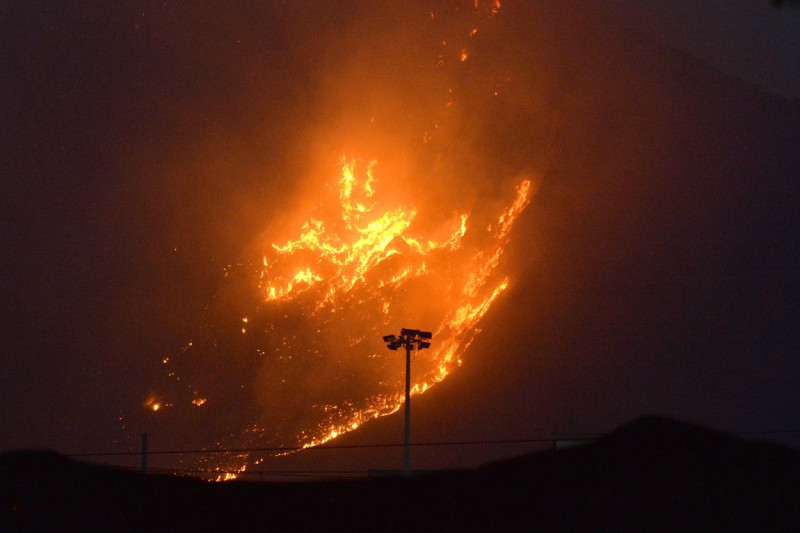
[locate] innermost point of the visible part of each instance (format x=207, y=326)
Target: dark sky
x=147, y=146
x=753, y=40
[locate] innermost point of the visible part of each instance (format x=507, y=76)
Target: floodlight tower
x=410, y=339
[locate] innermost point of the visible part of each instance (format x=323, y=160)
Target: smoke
x=543, y=93
x=155, y=152
x=418, y=88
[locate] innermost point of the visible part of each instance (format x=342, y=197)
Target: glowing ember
x=153, y=404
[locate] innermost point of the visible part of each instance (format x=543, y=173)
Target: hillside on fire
x=652, y=474
x=213, y=214
x=617, y=220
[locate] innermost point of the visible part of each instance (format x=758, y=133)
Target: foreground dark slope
x=653, y=473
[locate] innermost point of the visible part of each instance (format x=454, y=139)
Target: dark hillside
x=652, y=474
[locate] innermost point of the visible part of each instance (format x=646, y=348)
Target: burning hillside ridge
x=303, y=355
x=289, y=353
x=356, y=277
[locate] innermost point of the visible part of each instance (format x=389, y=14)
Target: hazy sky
x=752, y=39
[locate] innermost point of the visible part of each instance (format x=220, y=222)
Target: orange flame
x=364, y=268
x=332, y=270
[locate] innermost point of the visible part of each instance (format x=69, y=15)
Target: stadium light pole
x=410, y=339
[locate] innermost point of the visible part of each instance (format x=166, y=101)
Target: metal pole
x=144, y=453
x=409, y=339
x=407, y=450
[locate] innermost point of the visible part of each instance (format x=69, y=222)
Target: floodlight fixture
x=410, y=339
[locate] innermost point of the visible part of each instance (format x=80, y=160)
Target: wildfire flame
x=369, y=261
x=307, y=363
x=326, y=298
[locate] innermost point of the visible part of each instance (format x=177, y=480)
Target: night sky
x=147, y=146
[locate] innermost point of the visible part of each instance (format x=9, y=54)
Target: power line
x=347, y=474
x=331, y=447
x=315, y=448
x=338, y=474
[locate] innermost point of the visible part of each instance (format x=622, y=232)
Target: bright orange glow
x=367, y=258
x=307, y=311
x=492, y=6
x=362, y=266
x=152, y=403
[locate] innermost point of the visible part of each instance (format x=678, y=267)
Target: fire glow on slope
x=306, y=363
x=289, y=353
x=363, y=274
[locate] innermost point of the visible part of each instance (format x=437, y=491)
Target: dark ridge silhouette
x=652, y=474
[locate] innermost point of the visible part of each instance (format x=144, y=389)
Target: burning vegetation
x=366, y=271
x=290, y=351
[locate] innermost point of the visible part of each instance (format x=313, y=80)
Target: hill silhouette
x=651, y=474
